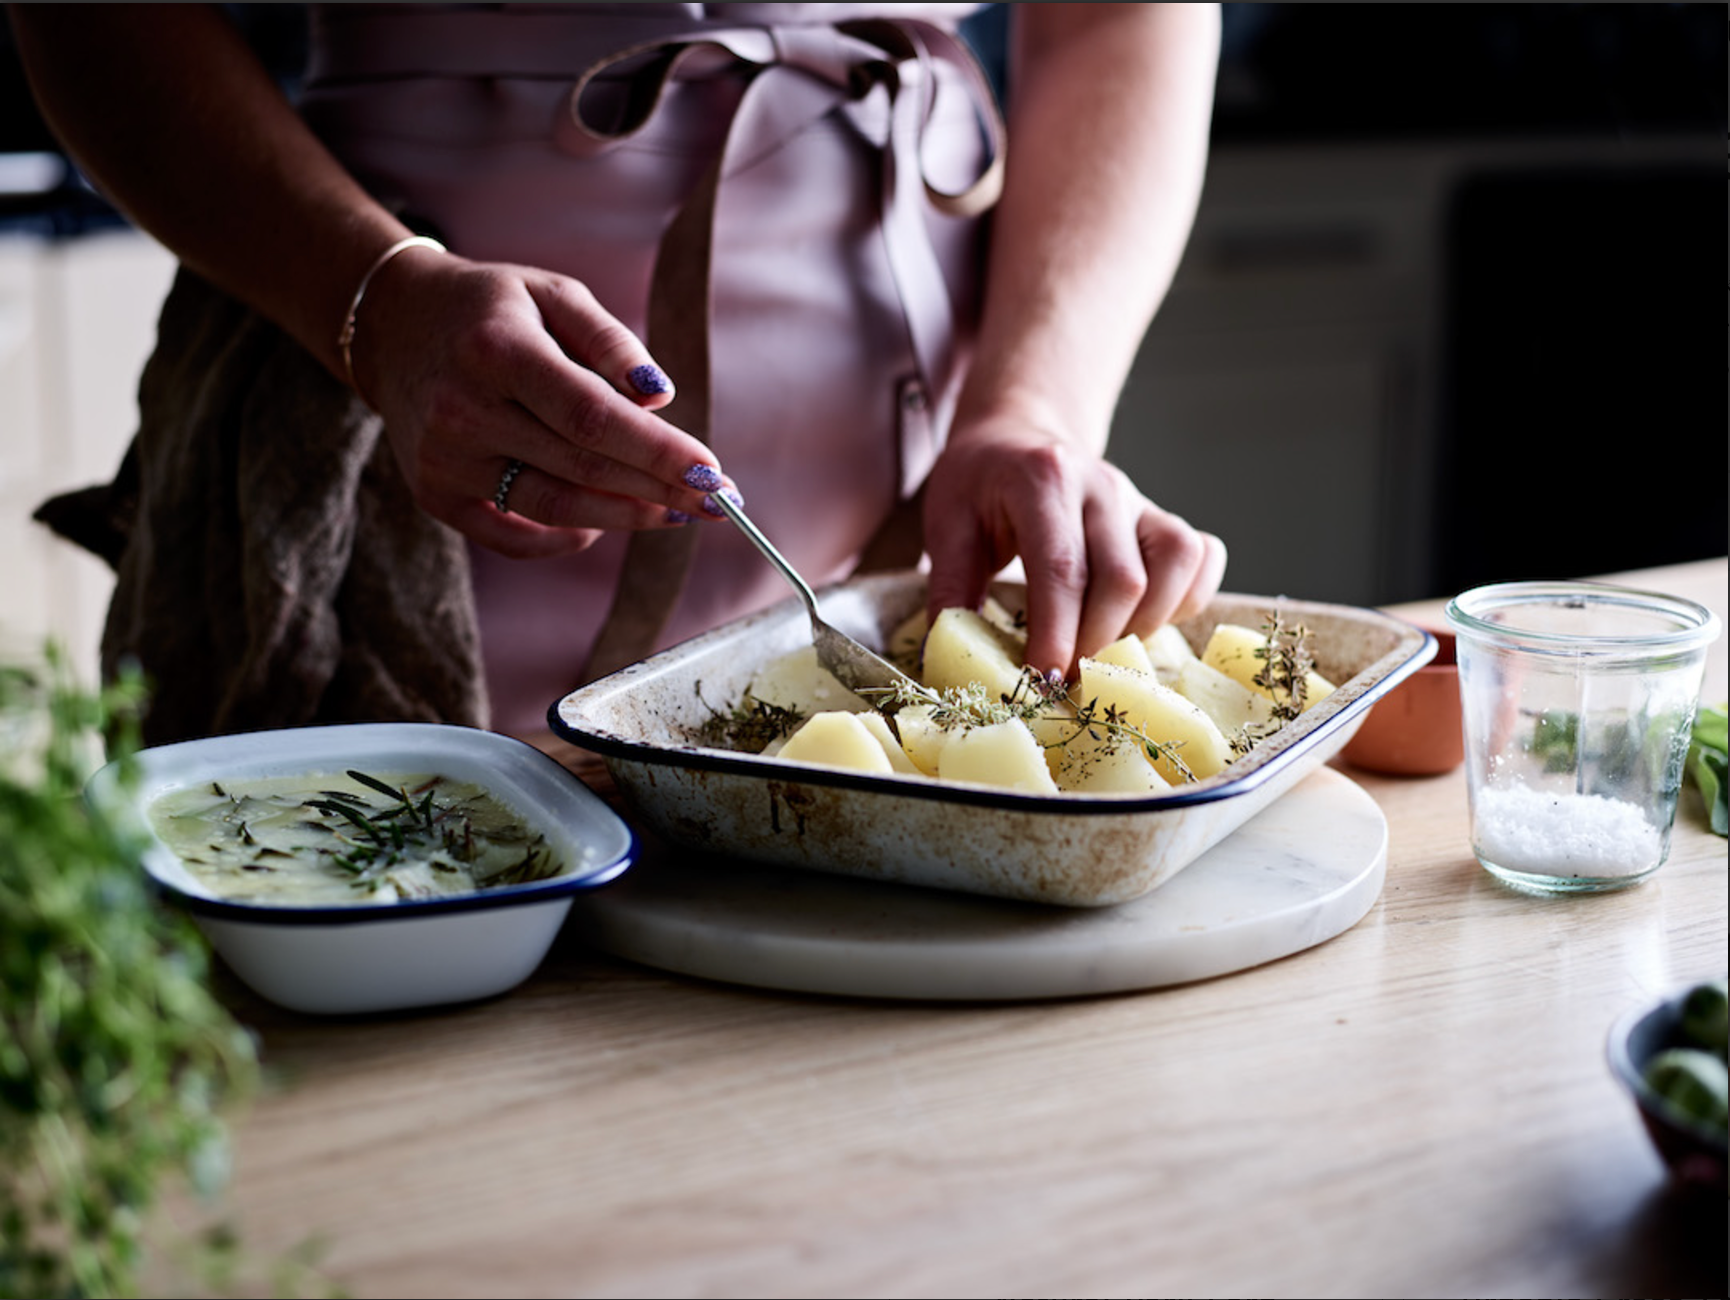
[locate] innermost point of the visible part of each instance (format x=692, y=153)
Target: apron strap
x=802, y=74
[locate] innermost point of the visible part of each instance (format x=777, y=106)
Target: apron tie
x=796, y=76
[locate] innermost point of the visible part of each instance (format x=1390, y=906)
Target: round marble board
x=1302, y=871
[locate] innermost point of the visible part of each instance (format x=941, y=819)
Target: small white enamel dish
x=347, y=960
x=1070, y=850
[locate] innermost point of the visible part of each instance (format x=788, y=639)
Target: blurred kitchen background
x=1452, y=311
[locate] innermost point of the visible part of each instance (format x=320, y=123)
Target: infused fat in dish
x=338, y=839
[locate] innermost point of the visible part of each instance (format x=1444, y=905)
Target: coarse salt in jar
x=1577, y=703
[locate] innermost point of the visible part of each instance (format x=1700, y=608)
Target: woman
x=590, y=264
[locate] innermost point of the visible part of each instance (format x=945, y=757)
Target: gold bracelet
x=345, y=337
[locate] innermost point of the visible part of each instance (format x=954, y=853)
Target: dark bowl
x=1695, y=1153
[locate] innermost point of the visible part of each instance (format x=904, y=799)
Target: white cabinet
x=77, y=320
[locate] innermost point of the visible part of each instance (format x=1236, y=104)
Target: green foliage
x=1709, y=764
x=116, y=1062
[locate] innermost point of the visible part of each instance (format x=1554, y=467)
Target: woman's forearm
x=1110, y=106
x=168, y=112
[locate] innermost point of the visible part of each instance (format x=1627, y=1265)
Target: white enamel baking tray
x=1070, y=850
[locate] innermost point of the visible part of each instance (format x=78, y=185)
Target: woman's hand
x=1108, y=131
x=478, y=365
x=1101, y=560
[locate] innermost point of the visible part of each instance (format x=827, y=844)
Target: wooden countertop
x=1419, y=1107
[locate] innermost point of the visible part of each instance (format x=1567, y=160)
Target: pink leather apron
x=853, y=162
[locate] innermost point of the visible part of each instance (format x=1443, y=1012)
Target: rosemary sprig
x=750, y=727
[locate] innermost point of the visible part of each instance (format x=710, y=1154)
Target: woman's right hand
x=474, y=365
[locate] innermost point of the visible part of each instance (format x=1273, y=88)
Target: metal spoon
x=857, y=668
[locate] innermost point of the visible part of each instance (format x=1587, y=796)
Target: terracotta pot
x=1415, y=729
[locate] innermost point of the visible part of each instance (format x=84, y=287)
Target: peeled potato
x=797, y=681
x=1094, y=761
x=878, y=726
x=1002, y=754
x=1162, y=715
x=963, y=647
x=1232, y=705
x=836, y=740
x=1055, y=725
x=1168, y=650
x=1239, y=651
x=1127, y=652
x=922, y=740
x=997, y=614
x=906, y=643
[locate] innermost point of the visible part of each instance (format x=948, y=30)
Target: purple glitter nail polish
x=649, y=379
x=678, y=517
x=704, y=478
x=710, y=506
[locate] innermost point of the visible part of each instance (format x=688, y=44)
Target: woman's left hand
x=1101, y=560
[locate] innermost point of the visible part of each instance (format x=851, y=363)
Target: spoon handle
x=764, y=545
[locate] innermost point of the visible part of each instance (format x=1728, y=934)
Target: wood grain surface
x=1420, y=1107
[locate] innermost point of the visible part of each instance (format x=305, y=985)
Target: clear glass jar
x=1577, y=703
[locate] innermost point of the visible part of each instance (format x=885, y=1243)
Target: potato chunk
x=1168, y=650
x=963, y=647
x=922, y=740
x=1239, y=652
x=837, y=740
x=1002, y=754
x=1232, y=705
x=878, y=726
x=1163, y=716
x=797, y=681
x=1096, y=761
x=1127, y=652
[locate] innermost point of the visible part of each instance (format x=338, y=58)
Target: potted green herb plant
x=117, y=1063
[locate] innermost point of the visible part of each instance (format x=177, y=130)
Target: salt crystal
x=1587, y=835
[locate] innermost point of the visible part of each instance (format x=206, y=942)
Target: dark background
x=1583, y=404
x=1580, y=416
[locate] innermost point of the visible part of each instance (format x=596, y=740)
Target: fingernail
x=679, y=517
x=649, y=379
x=705, y=478
x=734, y=497
x=1054, y=681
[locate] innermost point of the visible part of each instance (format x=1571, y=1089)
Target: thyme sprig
x=1113, y=724
x=961, y=707
x=1286, y=665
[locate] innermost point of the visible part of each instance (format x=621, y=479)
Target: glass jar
x=1577, y=704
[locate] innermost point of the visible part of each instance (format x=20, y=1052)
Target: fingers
x=1184, y=567
x=1101, y=560
x=591, y=336
x=579, y=429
